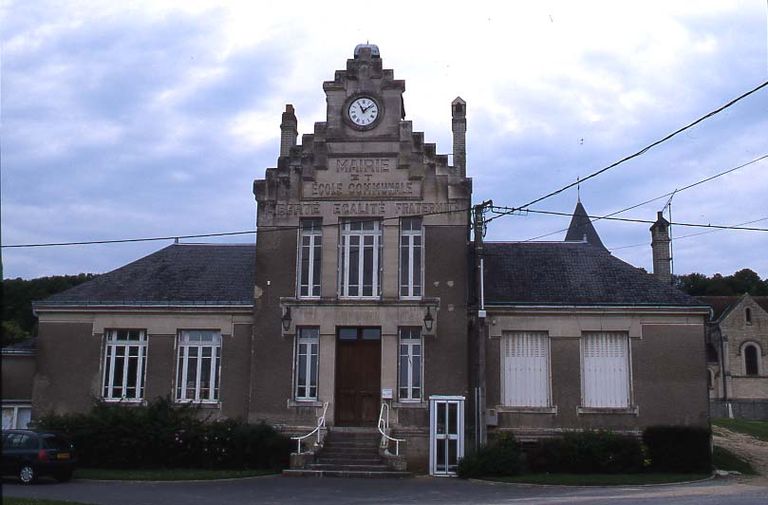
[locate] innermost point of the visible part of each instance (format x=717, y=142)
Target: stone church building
x=366, y=303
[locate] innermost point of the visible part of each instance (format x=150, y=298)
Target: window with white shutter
x=525, y=364
x=605, y=369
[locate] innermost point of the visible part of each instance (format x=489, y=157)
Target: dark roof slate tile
x=570, y=273
x=180, y=273
x=581, y=228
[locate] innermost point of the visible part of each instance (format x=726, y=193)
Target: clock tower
x=361, y=264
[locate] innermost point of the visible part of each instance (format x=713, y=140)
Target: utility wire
x=510, y=210
x=643, y=150
x=645, y=244
x=263, y=229
x=648, y=221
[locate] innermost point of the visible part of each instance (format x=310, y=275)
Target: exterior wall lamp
x=429, y=321
x=286, y=319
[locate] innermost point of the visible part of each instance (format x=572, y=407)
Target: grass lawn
x=601, y=479
x=758, y=429
x=724, y=459
x=166, y=474
x=8, y=500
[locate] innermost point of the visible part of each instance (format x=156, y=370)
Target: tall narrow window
x=525, y=356
x=125, y=359
x=360, y=259
x=307, y=343
x=751, y=355
x=409, y=380
x=310, y=257
x=197, y=374
x=410, y=257
x=748, y=315
x=605, y=369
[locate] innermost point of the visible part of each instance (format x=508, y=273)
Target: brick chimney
x=662, y=258
x=288, y=131
x=459, y=115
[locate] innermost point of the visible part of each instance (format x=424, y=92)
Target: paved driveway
x=421, y=490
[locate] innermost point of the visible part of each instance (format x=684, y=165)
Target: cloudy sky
x=141, y=119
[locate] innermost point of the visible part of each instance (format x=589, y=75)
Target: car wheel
x=27, y=474
x=64, y=476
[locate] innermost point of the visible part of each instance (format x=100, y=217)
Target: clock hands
x=363, y=111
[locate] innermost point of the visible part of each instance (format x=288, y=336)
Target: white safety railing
x=384, y=429
x=319, y=429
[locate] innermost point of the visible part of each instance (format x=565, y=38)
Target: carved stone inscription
x=363, y=208
x=366, y=178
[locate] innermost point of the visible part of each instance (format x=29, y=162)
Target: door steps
x=349, y=452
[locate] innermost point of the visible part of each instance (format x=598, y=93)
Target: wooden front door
x=358, y=376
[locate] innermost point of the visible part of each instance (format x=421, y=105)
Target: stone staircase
x=349, y=452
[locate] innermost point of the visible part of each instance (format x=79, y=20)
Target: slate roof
x=581, y=228
x=570, y=273
x=179, y=274
x=721, y=305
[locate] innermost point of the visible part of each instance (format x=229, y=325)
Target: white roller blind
x=525, y=358
x=605, y=366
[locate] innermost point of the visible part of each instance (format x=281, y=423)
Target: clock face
x=363, y=111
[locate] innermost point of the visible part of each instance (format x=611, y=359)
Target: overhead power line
x=675, y=239
x=511, y=210
x=643, y=150
x=648, y=221
x=264, y=229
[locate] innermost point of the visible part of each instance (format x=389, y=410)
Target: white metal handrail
x=318, y=429
x=384, y=429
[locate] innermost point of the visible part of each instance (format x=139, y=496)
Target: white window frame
x=119, y=346
x=526, y=369
x=410, y=349
x=308, y=348
x=14, y=409
x=191, y=347
x=606, y=381
x=357, y=231
x=411, y=241
x=311, y=232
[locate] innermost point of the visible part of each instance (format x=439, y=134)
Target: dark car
x=30, y=454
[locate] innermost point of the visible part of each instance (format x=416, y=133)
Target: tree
x=743, y=281
x=747, y=281
x=694, y=284
x=19, y=322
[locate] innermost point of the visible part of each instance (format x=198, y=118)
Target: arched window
x=748, y=315
x=751, y=355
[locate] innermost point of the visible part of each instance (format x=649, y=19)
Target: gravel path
x=750, y=448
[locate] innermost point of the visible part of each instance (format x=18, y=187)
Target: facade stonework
x=378, y=177
x=737, y=340
x=363, y=298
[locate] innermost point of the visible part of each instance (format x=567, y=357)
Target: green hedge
x=679, y=449
x=587, y=452
x=500, y=458
x=163, y=434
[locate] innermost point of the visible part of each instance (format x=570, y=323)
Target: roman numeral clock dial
x=363, y=111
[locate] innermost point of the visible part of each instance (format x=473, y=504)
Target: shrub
x=587, y=452
x=679, y=449
x=500, y=458
x=163, y=434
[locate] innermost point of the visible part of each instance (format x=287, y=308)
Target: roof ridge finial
x=578, y=189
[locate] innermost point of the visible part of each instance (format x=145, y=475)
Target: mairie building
x=367, y=306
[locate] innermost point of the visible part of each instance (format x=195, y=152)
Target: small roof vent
x=373, y=47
